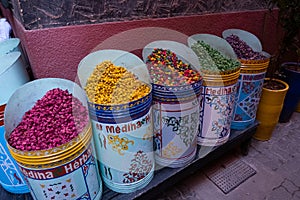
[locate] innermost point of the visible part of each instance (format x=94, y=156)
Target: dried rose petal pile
x=55, y=119
x=243, y=50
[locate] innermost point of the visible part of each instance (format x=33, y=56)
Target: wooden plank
x=166, y=177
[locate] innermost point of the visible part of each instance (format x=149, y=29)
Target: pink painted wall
x=56, y=52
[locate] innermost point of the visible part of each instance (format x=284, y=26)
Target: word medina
x=126, y=127
x=61, y=170
x=220, y=90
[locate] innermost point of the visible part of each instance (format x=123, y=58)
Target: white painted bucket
x=218, y=95
x=123, y=133
x=175, y=111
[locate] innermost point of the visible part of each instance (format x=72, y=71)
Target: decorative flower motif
x=140, y=167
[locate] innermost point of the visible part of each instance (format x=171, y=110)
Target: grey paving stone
x=277, y=163
x=280, y=193
x=296, y=196
x=290, y=186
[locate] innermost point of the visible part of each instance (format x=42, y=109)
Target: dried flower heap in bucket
x=111, y=85
x=176, y=91
x=167, y=69
x=120, y=109
x=55, y=119
x=243, y=50
x=213, y=61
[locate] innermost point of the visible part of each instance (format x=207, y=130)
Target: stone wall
x=38, y=14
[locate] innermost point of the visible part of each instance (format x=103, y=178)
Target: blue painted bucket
x=175, y=111
x=249, y=90
x=12, y=76
x=250, y=82
x=292, y=78
x=12, y=179
x=123, y=133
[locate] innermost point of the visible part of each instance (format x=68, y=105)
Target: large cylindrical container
x=291, y=71
x=218, y=101
x=67, y=171
x=269, y=108
x=175, y=107
x=253, y=70
x=12, y=76
x=123, y=132
x=249, y=86
x=218, y=90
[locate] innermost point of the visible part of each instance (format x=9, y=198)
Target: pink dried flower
x=55, y=119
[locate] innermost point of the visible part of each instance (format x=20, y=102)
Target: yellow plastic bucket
x=249, y=85
x=68, y=171
x=268, y=111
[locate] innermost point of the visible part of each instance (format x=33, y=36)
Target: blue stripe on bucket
x=115, y=119
x=11, y=179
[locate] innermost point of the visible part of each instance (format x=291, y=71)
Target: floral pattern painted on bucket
x=216, y=115
x=140, y=167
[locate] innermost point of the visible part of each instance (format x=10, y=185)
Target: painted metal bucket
x=249, y=90
x=69, y=171
x=175, y=112
x=12, y=76
x=12, y=179
x=250, y=81
x=217, y=96
x=123, y=133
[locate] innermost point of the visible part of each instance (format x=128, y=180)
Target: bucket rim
x=277, y=91
x=7, y=65
x=13, y=43
x=57, y=151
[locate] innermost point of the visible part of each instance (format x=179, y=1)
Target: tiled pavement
x=277, y=165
